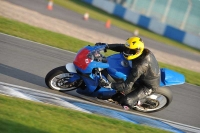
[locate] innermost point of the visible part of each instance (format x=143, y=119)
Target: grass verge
x=22, y=30
x=22, y=116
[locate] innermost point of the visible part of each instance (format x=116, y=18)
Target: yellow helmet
x=134, y=47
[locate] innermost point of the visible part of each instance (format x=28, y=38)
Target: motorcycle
x=91, y=65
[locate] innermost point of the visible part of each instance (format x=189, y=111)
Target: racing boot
x=133, y=97
x=117, y=97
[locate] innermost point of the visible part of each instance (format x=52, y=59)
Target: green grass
x=22, y=116
x=69, y=43
x=98, y=14
x=39, y=35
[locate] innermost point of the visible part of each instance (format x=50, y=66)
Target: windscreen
x=88, y=55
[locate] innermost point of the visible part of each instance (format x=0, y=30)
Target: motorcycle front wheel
x=58, y=79
x=156, y=101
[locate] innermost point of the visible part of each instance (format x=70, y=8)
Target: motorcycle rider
x=144, y=69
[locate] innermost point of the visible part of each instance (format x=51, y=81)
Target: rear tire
x=156, y=101
x=57, y=79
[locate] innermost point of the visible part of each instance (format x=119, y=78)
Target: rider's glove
x=100, y=44
x=104, y=84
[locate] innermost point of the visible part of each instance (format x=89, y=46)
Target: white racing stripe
x=37, y=97
x=184, y=127
x=67, y=105
x=11, y=92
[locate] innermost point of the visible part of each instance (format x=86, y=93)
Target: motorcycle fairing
x=170, y=77
x=84, y=64
x=81, y=60
x=118, y=63
x=93, y=89
x=70, y=68
x=114, y=73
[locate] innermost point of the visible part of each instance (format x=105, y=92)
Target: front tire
x=57, y=79
x=156, y=101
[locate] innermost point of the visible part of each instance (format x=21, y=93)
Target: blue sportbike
x=91, y=65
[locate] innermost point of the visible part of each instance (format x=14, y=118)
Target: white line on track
x=37, y=43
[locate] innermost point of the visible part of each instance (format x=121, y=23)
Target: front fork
x=100, y=75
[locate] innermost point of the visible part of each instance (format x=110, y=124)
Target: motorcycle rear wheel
x=57, y=79
x=156, y=101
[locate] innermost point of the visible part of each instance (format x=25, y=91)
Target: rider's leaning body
x=144, y=69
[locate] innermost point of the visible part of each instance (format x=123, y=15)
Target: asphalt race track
x=26, y=63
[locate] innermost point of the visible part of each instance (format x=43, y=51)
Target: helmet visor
x=128, y=51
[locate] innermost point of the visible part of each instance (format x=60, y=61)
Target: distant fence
x=149, y=23
x=182, y=14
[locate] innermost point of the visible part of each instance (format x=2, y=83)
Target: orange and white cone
x=86, y=16
x=136, y=32
x=50, y=5
x=108, y=23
